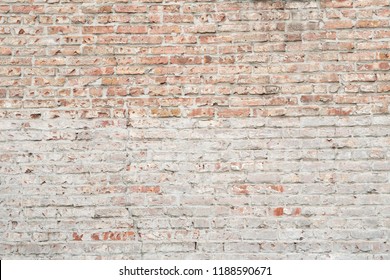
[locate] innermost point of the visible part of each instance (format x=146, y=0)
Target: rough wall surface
x=194, y=129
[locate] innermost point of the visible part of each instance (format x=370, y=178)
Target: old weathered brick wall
x=194, y=129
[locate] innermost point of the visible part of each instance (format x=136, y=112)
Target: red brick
x=154, y=60
x=339, y=111
x=165, y=112
x=98, y=29
x=186, y=60
x=130, y=9
x=77, y=237
x=372, y=23
x=339, y=24
x=337, y=3
x=97, y=9
x=297, y=212
x=229, y=113
x=278, y=211
x=62, y=30
x=26, y=9
x=132, y=29
x=278, y=188
x=165, y=29
x=5, y=51
x=201, y=113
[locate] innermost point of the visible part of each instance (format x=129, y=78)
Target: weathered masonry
x=173, y=129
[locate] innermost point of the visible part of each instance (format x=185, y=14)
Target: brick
x=278, y=211
x=5, y=51
x=130, y=70
x=226, y=113
x=146, y=189
x=146, y=39
x=186, y=60
x=132, y=29
x=336, y=3
x=165, y=113
x=96, y=9
x=201, y=113
x=62, y=30
x=130, y=9
x=154, y=60
x=372, y=23
x=98, y=29
x=26, y=9
x=165, y=29
x=194, y=129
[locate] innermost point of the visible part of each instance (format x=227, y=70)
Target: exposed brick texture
x=170, y=129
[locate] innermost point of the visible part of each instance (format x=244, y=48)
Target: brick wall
x=194, y=129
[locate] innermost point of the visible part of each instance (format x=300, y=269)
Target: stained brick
x=194, y=129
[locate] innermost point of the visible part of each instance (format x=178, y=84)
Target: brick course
x=159, y=129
